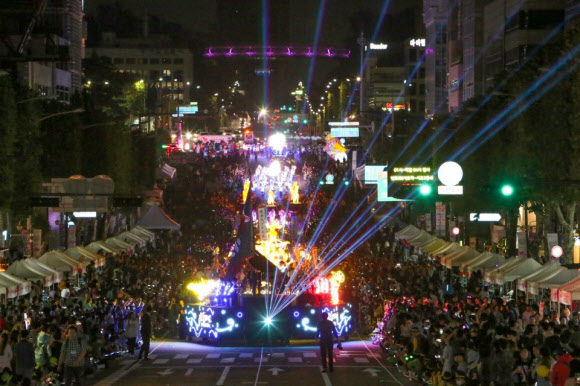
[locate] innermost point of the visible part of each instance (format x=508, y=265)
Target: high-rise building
x=465, y=71
x=572, y=13
x=415, y=75
x=435, y=17
x=46, y=43
x=512, y=29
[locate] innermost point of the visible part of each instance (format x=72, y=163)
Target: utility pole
x=361, y=42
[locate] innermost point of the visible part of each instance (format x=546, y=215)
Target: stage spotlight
x=268, y=321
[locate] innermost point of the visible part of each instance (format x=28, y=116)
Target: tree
x=8, y=134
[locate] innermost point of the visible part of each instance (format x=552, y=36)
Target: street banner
x=552, y=240
x=382, y=186
x=428, y=225
x=262, y=221
x=497, y=233
x=72, y=236
x=27, y=242
x=522, y=244
x=353, y=159
x=36, y=242
x=440, y=218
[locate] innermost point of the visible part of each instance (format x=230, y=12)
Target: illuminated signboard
x=344, y=129
x=417, y=42
x=378, y=46
x=307, y=319
x=344, y=132
x=372, y=172
x=209, y=322
x=187, y=110
x=390, y=106
x=412, y=175
x=383, y=187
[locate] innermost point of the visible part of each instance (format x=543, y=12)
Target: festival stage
x=246, y=320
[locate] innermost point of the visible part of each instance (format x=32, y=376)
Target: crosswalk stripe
x=181, y=356
x=278, y=355
x=227, y=360
x=212, y=356
x=152, y=356
x=361, y=360
x=263, y=359
x=295, y=359
x=309, y=355
x=246, y=355
x=194, y=360
x=160, y=361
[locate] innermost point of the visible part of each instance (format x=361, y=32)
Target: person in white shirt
x=5, y=352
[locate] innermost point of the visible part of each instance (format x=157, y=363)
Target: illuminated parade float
x=287, y=301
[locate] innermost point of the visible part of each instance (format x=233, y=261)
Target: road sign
x=484, y=217
x=382, y=186
x=450, y=190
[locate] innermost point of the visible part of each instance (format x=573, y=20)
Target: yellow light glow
x=271, y=197
x=295, y=194
x=188, y=135
x=203, y=287
x=335, y=281
x=246, y=190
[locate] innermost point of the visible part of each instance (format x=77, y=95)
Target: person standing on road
x=132, y=329
x=326, y=329
x=72, y=355
x=145, y=333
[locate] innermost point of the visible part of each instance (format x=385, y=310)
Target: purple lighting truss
x=277, y=51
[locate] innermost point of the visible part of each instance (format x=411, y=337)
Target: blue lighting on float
x=296, y=314
x=313, y=311
x=207, y=322
x=223, y=312
x=339, y=315
x=306, y=325
x=240, y=315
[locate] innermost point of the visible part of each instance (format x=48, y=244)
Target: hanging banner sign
x=382, y=186
x=36, y=242
x=262, y=223
x=440, y=219
x=522, y=244
x=428, y=225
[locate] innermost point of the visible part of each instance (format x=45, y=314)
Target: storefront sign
x=412, y=174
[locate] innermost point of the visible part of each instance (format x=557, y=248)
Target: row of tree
x=525, y=132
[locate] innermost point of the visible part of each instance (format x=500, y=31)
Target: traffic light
x=455, y=231
x=507, y=190
x=425, y=190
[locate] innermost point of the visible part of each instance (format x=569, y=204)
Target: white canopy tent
x=157, y=219
x=41, y=266
x=569, y=291
x=133, y=239
x=490, y=275
x=119, y=244
x=62, y=262
x=446, y=248
x=460, y=258
x=487, y=260
x=23, y=286
x=142, y=232
x=528, y=283
x=523, y=268
x=97, y=246
x=8, y=288
x=421, y=238
x=432, y=245
x=559, y=278
x=22, y=269
x=407, y=232
x=81, y=253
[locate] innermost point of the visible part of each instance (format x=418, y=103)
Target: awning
x=446, y=248
x=407, y=232
x=433, y=245
x=480, y=262
x=23, y=286
x=461, y=251
x=62, y=262
x=140, y=231
x=133, y=239
x=24, y=270
x=558, y=278
x=79, y=252
x=420, y=238
x=569, y=291
x=528, y=282
x=460, y=258
x=157, y=219
x=119, y=244
x=525, y=267
x=97, y=246
x=490, y=275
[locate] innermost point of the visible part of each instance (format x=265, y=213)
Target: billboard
x=372, y=172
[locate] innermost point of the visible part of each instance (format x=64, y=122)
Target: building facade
x=435, y=17
x=512, y=30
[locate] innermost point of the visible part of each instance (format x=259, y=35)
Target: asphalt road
x=182, y=363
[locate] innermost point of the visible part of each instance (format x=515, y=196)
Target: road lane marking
x=246, y=355
x=212, y=356
x=194, y=360
x=380, y=363
x=325, y=377
x=160, y=361
x=295, y=360
x=309, y=355
x=361, y=360
x=260, y=360
x=260, y=365
x=227, y=360
x=181, y=356
x=224, y=375
x=188, y=372
x=278, y=355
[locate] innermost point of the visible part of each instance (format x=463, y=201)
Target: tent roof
x=156, y=218
x=60, y=261
x=408, y=232
x=525, y=267
x=481, y=258
x=433, y=244
x=462, y=257
x=98, y=245
x=547, y=269
x=79, y=251
x=24, y=270
x=572, y=286
x=559, y=278
x=133, y=238
x=448, y=247
x=119, y=244
x=24, y=286
x=420, y=238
